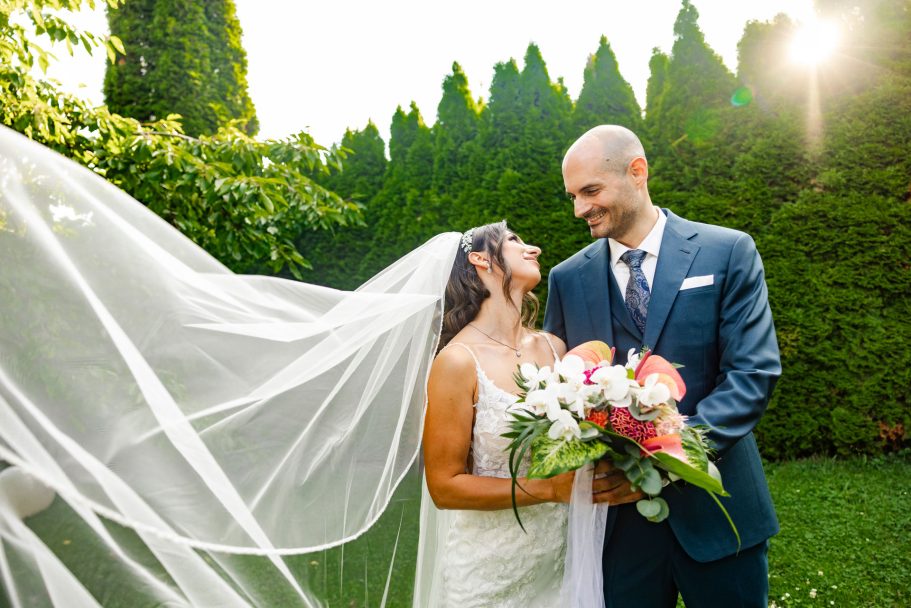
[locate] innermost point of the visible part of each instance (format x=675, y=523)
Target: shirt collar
x=651, y=244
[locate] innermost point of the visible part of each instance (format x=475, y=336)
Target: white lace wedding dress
x=487, y=560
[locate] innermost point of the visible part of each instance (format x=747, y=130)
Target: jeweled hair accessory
x=467, y=238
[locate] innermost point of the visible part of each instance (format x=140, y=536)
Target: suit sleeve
x=553, y=310
x=749, y=362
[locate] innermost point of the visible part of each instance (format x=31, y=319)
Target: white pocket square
x=691, y=282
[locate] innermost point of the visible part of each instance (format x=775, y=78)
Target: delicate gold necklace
x=515, y=349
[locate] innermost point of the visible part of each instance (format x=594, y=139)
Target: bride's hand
x=610, y=485
x=562, y=486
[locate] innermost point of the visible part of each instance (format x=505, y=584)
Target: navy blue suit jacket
x=723, y=335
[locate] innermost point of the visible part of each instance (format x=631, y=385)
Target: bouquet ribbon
x=583, y=585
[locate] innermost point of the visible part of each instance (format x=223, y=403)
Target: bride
x=486, y=559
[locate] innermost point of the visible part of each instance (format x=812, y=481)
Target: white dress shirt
x=651, y=244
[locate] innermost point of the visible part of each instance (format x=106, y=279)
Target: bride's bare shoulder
x=547, y=340
x=455, y=359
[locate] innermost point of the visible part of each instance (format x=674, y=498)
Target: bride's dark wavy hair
x=465, y=292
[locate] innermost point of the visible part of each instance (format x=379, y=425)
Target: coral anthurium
x=667, y=375
x=669, y=444
x=593, y=352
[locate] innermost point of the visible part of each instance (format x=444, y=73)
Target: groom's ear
x=638, y=170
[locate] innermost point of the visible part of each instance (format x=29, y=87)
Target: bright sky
x=328, y=65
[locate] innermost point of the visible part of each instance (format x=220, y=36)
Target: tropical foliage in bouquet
x=585, y=409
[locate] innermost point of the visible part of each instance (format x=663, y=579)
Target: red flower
x=598, y=417
x=623, y=423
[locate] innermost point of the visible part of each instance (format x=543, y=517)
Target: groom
x=695, y=294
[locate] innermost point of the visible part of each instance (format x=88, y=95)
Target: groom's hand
x=610, y=485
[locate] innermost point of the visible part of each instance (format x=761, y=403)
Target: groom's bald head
x=613, y=146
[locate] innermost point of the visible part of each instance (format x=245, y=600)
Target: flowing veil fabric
x=211, y=414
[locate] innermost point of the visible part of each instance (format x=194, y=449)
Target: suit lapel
x=674, y=261
x=592, y=283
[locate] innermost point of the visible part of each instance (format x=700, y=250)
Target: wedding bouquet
x=585, y=409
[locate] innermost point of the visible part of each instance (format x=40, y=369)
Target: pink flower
x=670, y=423
x=624, y=424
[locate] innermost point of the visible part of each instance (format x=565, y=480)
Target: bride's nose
x=533, y=250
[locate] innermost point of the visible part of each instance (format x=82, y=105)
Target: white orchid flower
x=571, y=397
x=572, y=368
x=654, y=392
x=633, y=357
x=564, y=427
x=614, y=384
x=591, y=396
x=542, y=400
x=533, y=375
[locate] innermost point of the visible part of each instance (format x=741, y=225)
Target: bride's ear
x=479, y=261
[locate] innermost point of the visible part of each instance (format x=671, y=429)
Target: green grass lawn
x=845, y=541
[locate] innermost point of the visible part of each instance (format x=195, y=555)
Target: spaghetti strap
x=551, y=345
x=470, y=352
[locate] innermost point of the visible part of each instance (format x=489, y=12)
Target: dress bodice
x=489, y=451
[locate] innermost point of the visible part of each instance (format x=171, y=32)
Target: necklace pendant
x=518, y=354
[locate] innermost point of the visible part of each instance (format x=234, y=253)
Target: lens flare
x=813, y=43
x=743, y=96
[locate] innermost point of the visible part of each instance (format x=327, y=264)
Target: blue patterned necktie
x=637, y=292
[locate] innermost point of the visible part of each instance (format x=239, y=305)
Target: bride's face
x=522, y=260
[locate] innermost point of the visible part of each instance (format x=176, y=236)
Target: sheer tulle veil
x=213, y=414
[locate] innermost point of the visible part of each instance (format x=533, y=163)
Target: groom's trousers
x=645, y=567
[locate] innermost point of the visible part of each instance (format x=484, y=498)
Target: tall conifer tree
x=691, y=145
x=182, y=58
x=698, y=85
x=654, y=94
x=606, y=97
x=455, y=129
x=404, y=208
x=336, y=256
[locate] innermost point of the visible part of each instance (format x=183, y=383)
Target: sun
x=813, y=43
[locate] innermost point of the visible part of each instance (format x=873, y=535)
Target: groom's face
x=605, y=198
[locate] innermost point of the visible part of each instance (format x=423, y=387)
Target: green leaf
x=117, y=43
x=689, y=474
x=651, y=482
x=638, y=414
x=648, y=508
x=654, y=510
x=727, y=517
x=551, y=457
x=694, y=449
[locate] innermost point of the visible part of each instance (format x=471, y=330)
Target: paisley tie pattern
x=637, y=292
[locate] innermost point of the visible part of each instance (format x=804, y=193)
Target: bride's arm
x=447, y=440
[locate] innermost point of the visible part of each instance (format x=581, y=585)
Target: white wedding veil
x=212, y=414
